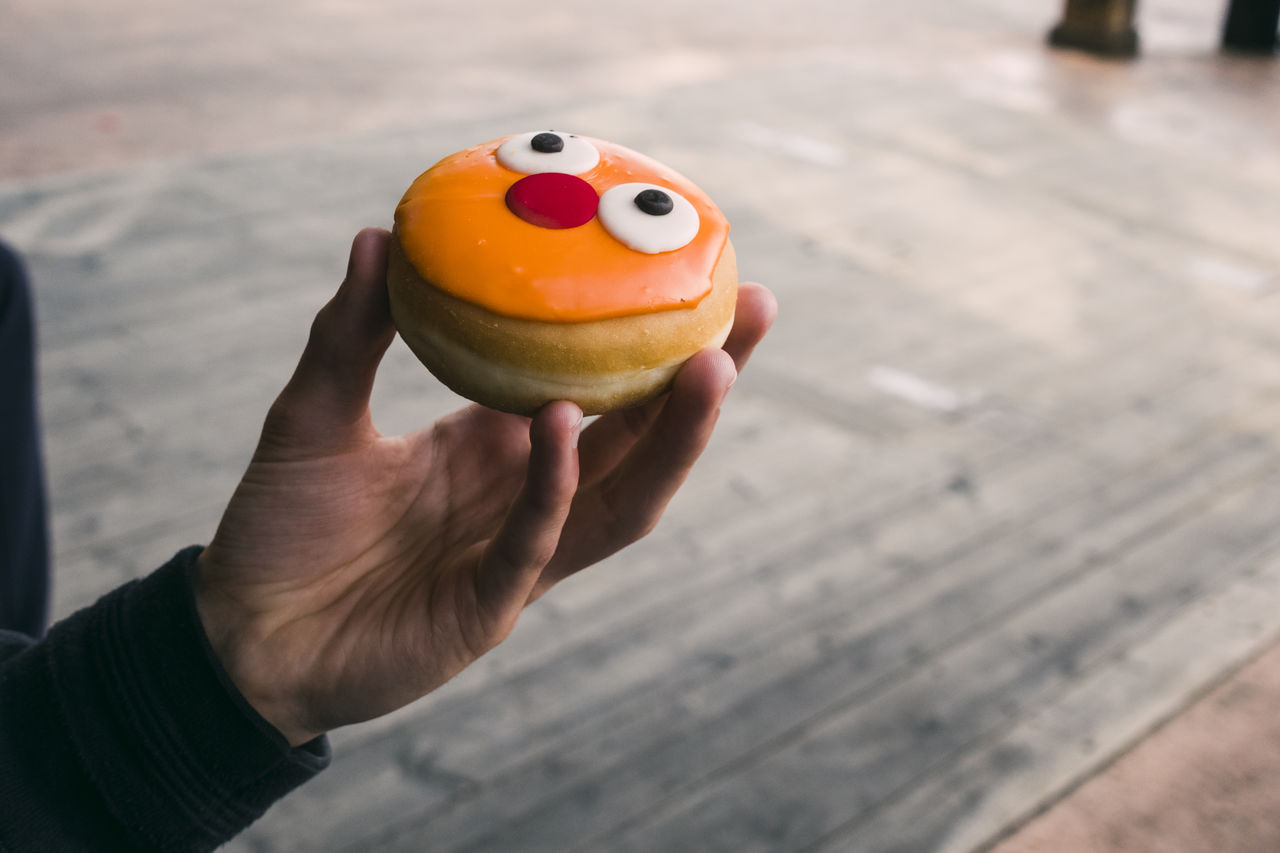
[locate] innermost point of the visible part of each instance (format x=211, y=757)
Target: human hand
x=353, y=572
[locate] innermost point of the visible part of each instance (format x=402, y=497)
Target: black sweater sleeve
x=121, y=731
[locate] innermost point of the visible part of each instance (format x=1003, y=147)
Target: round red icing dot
x=553, y=200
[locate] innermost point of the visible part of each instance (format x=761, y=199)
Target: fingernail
x=732, y=380
x=576, y=432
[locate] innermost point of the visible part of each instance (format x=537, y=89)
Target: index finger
x=627, y=504
x=607, y=441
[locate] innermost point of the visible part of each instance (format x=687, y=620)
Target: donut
x=551, y=266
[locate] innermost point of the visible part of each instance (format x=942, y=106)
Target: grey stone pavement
x=997, y=498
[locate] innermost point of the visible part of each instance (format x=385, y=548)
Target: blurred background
x=986, y=549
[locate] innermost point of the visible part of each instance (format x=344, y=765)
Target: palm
x=375, y=550
x=354, y=572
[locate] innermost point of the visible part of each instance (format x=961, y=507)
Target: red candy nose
x=553, y=200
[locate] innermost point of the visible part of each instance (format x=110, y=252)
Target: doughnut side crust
x=519, y=365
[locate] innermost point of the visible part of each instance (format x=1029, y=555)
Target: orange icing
x=458, y=233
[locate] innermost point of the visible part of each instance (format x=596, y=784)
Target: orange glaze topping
x=457, y=231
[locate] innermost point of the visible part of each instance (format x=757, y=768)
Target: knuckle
x=630, y=524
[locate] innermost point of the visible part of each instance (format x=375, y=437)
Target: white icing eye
x=648, y=218
x=547, y=151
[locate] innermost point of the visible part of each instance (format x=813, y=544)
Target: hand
x=353, y=572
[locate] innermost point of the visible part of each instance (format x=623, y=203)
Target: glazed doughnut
x=550, y=266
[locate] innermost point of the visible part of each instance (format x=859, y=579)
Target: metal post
x=1251, y=26
x=1102, y=27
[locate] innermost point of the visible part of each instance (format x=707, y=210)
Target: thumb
x=326, y=402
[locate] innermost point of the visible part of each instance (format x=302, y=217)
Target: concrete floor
x=1208, y=780
x=995, y=502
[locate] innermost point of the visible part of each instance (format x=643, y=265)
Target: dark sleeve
x=120, y=731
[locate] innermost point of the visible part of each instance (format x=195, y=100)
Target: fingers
x=328, y=396
x=755, y=313
x=648, y=478
x=629, y=502
x=608, y=440
x=529, y=535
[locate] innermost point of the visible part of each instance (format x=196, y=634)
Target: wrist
x=242, y=653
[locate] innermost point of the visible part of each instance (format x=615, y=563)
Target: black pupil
x=654, y=202
x=547, y=143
